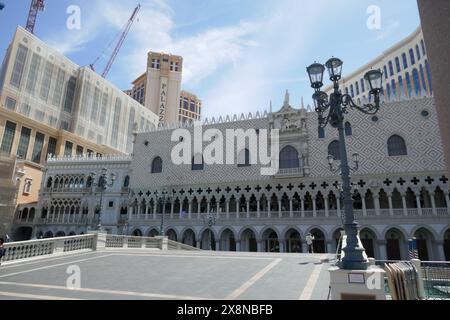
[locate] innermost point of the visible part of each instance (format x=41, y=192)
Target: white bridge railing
x=45, y=247
x=25, y=250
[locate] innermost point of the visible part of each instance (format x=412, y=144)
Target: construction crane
x=123, y=35
x=35, y=7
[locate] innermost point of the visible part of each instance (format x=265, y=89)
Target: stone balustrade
x=47, y=247
x=26, y=250
x=368, y=214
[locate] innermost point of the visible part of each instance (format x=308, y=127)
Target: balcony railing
x=306, y=214
x=290, y=172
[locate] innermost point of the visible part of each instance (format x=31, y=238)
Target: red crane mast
x=35, y=7
x=121, y=40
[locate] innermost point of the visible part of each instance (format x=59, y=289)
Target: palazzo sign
x=163, y=100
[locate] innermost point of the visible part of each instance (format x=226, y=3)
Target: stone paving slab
x=140, y=274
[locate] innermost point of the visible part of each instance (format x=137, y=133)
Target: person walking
x=309, y=242
x=2, y=250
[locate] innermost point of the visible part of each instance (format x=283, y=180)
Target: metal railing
x=436, y=279
x=435, y=276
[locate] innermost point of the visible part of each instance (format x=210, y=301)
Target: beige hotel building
x=50, y=105
x=159, y=89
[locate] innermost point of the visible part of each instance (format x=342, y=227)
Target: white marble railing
x=163, y=243
x=86, y=158
x=44, y=247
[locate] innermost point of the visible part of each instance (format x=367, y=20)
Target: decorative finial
x=270, y=106
x=286, y=98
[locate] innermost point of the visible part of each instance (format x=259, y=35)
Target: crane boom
x=36, y=5
x=121, y=40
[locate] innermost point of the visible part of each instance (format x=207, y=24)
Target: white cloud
x=388, y=31
x=239, y=65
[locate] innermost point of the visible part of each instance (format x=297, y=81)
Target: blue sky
x=238, y=54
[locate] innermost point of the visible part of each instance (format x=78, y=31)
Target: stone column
x=259, y=245
x=325, y=198
x=238, y=245
x=268, y=209
x=364, y=208
x=282, y=246
x=439, y=252
x=447, y=201
x=190, y=209
x=217, y=245
x=391, y=209
x=258, y=212
x=238, y=205
x=419, y=207
x=208, y=207
x=405, y=207
x=248, y=209
x=433, y=204
x=279, y=209
x=147, y=209
x=382, y=249
x=304, y=247
x=198, y=244
x=376, y=202
x=302, y=206
x=217, y=208
x=227, y=204
x=330, y=246
x=338, y=206
x=435, y=24
x=314, y=207
x=291, y=211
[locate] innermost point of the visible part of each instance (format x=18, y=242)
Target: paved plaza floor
x=146, y=274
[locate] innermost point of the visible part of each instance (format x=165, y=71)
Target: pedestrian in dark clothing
x=2, y=250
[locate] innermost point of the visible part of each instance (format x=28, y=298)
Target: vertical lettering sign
x=163, y=100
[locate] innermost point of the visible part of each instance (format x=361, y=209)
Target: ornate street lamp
x=337, y=106
x=103, y=183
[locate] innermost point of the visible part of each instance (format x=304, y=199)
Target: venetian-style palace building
x=400, y=188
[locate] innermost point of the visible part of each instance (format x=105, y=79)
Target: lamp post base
x=353, y=255
x=357, y=284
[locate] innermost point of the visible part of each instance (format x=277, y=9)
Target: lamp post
x=165, y=197
x=337, y=105
x=210, y=219
x=103, y=183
